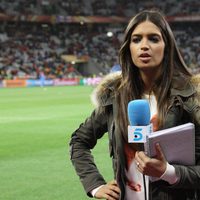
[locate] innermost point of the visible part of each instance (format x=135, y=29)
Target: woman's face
x=147, y=46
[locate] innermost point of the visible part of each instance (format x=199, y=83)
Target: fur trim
x=107, y=86
x=196, y=82
x=104, y=88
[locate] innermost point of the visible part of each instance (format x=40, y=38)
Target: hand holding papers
x=178, y=144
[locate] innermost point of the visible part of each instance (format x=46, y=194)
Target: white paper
x=177, y=143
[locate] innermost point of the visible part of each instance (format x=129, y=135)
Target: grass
x=35, y=129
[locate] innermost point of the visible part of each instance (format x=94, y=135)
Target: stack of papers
x=177, y=143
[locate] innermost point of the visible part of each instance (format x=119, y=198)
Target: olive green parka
x=184, y=107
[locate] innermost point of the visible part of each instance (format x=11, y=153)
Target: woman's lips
x=145, y=57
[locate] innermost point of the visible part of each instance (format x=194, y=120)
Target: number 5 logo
x=137, y=134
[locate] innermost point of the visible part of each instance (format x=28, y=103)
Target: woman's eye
x=136, y=40
x=154, y=39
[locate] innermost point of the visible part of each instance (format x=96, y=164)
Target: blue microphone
x=139, y=112
x=139, y=118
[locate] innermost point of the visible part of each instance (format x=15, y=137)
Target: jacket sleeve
x=82, y=141
x=190, y=175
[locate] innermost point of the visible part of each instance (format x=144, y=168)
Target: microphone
x=139, y=118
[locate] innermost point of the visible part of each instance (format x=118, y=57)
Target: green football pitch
x=35, y=128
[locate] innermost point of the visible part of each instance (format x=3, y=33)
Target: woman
x=152, y=68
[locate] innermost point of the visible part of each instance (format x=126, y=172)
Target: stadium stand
x=36, y=36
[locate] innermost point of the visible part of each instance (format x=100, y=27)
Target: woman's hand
x=151, y=166
x=110, y=191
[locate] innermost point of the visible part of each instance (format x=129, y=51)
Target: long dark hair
x=132, y=86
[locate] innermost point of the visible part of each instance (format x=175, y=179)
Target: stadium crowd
x=96, y=7
x=28, y=49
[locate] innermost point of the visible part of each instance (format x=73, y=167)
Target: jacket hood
x=185, y=87
x=196, y=81
x=103, y=94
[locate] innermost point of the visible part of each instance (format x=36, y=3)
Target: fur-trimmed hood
x=196, y=82
x=104, y=92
